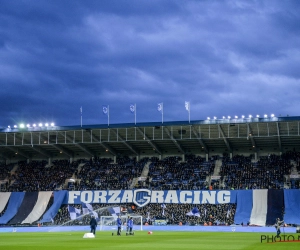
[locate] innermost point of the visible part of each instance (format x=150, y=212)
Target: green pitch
x=141, y=241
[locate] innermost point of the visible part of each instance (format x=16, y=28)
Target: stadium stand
x=39, y=176
x=171, y=173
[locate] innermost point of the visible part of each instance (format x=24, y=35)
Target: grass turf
x=141, y=241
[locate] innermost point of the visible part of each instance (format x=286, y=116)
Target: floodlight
x=28, y=125
x=22, y=125
x=46, y=124
x=223, y=117
x=215, y=117
x=52, y=124
x=208, y=118
x=272, y=115
x=40, y=124
x=250, y=116
x=15, y=126
x=265, y=116
x=243, y=116
x=257, y=116
x=34, y=125
x=236, y=117
x=229, y=117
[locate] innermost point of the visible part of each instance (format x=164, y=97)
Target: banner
x=142, y=197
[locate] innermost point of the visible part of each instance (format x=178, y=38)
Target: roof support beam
x=60, y=148
x=79, y=145
x=18, y=151
x=174, y=140
x=35, y=148
x=279, y=139
x=41, y=151
x=63, y=150
x=224, y=138
x=104, y=145
x=83, y=148
x=153, y=145
x=250, y=136
x=125, y=142
x=203, y=145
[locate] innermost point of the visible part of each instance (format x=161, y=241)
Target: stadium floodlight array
x=34, y=125
x=242, y=116
x=110, y=222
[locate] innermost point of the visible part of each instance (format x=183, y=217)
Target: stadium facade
x=257, y=136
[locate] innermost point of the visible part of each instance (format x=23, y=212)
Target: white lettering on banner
x=142, y=197
x=171, y=197
x=100, y=196
x=127, y=197
x=114, y=196
x=157, y=196
x=183, y=197
x=72, y=196
x=223, y=197
x=196, y=197
x=86, y=196
x=208, y=197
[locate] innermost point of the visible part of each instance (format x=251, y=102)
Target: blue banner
x=142, y=197
x=292, y=206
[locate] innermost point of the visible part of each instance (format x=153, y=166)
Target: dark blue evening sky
x=226, y=58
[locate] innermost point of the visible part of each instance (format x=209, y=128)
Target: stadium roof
x=276, y=134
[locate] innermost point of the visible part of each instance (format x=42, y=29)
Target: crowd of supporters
x=268, y=172
x=39, y=176
x=171, y=173
x=209, y=214
x=104, y=174
x=172, y=214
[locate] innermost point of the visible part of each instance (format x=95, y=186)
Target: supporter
x=240, y=172
x=38, y=176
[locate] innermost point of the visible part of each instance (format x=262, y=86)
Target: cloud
x=226, y=58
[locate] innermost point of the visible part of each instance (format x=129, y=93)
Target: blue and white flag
x=74, y=212
x=95, y=214
x=105, y=109
x=163, y=209
x=187, y=106
x=160, y=107
x=148, y=216
x=114, y=211
x=132, y=108
x=87, y=208
x=194, y=212
x=228, y=212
